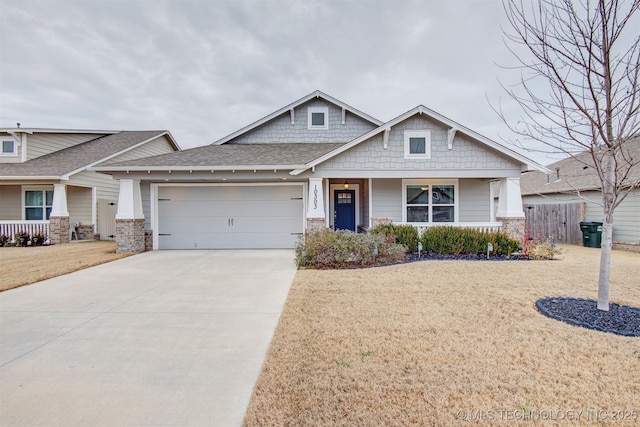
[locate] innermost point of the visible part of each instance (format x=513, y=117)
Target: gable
x=40, y=144
x=156, y=147
x=465, y=154
x=287, y=129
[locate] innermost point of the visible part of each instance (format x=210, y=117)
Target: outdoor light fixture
x=346, y=184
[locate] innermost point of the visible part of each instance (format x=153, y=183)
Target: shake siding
x=106, y=187
x=40, y=144
x=280, y=129
x=387, y=198
x=626, y=218
x=474, y=200
x=151, y=148
x=464, y=155
x=10, y=202
x=79, y=204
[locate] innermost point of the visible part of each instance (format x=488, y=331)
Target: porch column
x=59, y=217
x=510, y=211
x=129, y=218
x=315, y=208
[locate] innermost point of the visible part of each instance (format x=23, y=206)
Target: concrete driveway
x=160, y=338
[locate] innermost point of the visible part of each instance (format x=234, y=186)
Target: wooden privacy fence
x=558, y=222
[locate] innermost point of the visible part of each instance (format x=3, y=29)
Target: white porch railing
x=482, y=226
x=10, y=228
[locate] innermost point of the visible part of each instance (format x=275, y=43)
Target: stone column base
x=315, y=224
x=59, y=229
x=514, y=227
x=130, y=236
x=148, y=240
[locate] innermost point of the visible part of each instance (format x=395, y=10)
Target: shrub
x=406, y=235
x=343, y=249
x=21, y=238
x=3, y=240
x=466, y=241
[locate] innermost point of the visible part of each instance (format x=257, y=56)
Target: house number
x=315, y=197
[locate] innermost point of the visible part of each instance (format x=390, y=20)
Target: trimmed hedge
x=466, y=241
x=345, y=249
x=406, y=235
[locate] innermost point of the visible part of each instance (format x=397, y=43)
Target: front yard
x=442, y=342
x=25, y=265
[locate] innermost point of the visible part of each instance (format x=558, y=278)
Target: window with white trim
x=417, y=144
x=318, y=117
x=37, y=204
x=8, y=148
x=430, y=201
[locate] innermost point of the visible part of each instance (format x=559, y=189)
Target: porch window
x=37, y=204
x=417, y=144
x=430, y=202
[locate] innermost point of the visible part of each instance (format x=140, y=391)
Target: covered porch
x=60, y=212
x=359, y=204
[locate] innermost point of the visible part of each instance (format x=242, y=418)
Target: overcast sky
x=203, y=69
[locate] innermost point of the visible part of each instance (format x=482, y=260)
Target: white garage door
x=230, y=217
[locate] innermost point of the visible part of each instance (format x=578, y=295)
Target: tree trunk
x=605, y=264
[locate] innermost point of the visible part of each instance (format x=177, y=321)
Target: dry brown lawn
x=442, y=342
x=22, y=266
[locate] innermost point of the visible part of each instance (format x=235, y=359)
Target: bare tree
x=579, y=64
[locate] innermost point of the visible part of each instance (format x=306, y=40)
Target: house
x=315, y=163
x=574, y=180
x=46, y=184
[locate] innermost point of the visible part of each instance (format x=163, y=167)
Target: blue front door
x=345, y=210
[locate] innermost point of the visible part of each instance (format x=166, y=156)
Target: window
x=8, y=148
x=417, y=144
x=318, y=117
x=430, y=201
x=37, y=204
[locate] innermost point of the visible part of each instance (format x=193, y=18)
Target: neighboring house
x=45, y=183
x=574, y=180
x=315, y=163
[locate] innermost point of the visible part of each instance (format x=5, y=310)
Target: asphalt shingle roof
x=283, y=154
x=578, y=173
x=70, y=159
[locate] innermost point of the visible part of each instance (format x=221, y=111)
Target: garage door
x=230, y=217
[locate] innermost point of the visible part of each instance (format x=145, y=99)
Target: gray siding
x=626, y=218
x=151, y=148
x=465, y=154
x=280, y=129
x=106, y=187
x=40, y=144
x=145, y=195
x=474, y=200
x=387, y=198
x=10, y=202
x=79, y=205
x=364, y=203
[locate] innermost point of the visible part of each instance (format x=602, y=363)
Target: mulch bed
x=620, y=319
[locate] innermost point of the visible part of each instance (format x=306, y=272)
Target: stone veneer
x=514, y=227
x=148, y=240
x=59, y=229
x=315, y=224
x=85, y=232
x=130, y=236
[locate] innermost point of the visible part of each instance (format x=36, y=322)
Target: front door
x=345, y=210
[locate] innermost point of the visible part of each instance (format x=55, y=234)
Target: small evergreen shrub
x=346, y=249
x=466, y=241
x=3, y=240
x=406, y=235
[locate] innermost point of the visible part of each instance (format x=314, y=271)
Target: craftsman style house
x=45, y=184
x=314, y=163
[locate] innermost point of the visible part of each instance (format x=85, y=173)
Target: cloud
x=203, y=69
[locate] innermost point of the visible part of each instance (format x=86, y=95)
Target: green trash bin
x=591, y=234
